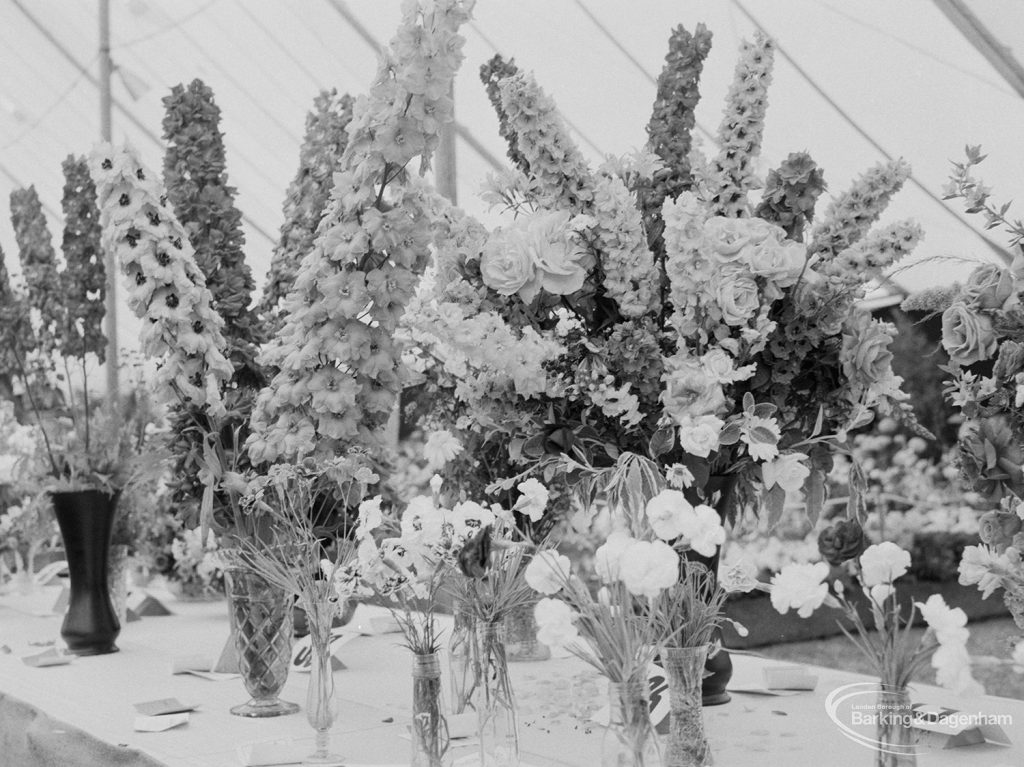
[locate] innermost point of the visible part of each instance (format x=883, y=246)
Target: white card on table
x=942, y=727
x=160, y=723
x=302, y=651
x=50, y=657
x=164, y=706
x=789, y=678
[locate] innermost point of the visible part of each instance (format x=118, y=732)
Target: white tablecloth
x=95, y=695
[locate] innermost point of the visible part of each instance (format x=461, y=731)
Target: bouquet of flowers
x=649, y=309
x=983, y=332
x=198, y=569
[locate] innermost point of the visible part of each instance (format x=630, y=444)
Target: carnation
x=665, y=513
x=981, y=566
x=649, y=567
x=608, y=557
x=883, y=563
x=441, y=447
x=800, y=587
x=702, y=528
x=547, y=572
x=555, y=626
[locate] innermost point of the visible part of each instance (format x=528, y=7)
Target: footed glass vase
x=321, y=705
x=262, y=622
x=521, y=631
x=895, y=737
x=630, y=740
x=686, y=745
x=429, y=728
x=461, y=658
x=492, y=699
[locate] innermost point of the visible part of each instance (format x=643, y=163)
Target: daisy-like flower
x=761, y=436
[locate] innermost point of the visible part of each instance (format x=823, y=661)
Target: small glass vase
x=492, y=699
x=261, y=616
x=429, y=728
x=895, y=736
x=629, y=740
x=461, y=658
x=686, y=744
x=522, y=643
x=117, y=580
x=321, y=705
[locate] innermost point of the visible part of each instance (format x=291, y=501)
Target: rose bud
x=842, y=541
x=997, y=529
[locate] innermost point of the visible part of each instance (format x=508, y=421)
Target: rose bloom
x=560, y=259
x=989, y=287
x=780, y=263
x=787, y=471
x=702, y=528
x=689, y=391
x=997, y=528
x=967, y=337
x=648, y=568
x=726, y=236
x=665, y=513
x=738, y=298
x=608, y=556
x=865, y=354
x=547, y=572
x=554, y=623
x=980, y=566
x=503, y=268
x=883, y=563
x=699, y=436
x=800, y=587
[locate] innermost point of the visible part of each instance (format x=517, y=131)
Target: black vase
x=718, y=666
x=86, y=520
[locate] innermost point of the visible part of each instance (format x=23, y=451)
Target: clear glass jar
x=492, y=699
x=429, y=728
x=895, y=736
x=461, y=658
x=629, y=740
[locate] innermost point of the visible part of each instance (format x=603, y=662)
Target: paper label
x=163, y=706
x=160, y=723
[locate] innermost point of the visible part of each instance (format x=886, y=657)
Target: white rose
x=719, y=365
x=699, y=436
x=779, y=263
x=800, y=587
x=759, y=230
x=561, y=261
x=702, y=528
x=726, y=236
x=883, y=563
x=737, y=297
x=787, y=471
x=555, y=626
x=547, y=572
x=665, y=514
x=689, y=390
x=533, y=499
x=608, y=557
x=649, y=567
x=505, y=268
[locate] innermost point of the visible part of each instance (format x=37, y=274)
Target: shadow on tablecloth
x=29, y=738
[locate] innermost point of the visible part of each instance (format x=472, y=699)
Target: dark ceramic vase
x=718, y=666
x=86, y=520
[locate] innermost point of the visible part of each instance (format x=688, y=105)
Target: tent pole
x=106, y=69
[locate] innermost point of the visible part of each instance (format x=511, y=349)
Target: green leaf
x=662, y=441
x=815, y=492
x=774, y=502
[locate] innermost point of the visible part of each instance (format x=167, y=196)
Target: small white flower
x=665, y=513
x=649, y=567
x=436, y=482
x=800, y=587
x=534, y=499
x=441, y=447
x=678, y=476
x=370, y=516
x=608, y=557
x=555, y=626
x=883, y=563
x=547, y=572
x=699, y=436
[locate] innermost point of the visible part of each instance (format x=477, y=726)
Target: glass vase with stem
x=630, y=740
x=686, y=744
x=321, y=705
x=492, y=698
x=461, y=656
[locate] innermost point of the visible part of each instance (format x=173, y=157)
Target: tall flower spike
x=730, y=175
x=850, y=216
x=165, y=286
x=16, y=336
x=672, y=117
x=304, y=205
x=871, y=256
x=38, y=264
x=790, y=193
x=630, y=277
x=84, y=275
x=552, y=156
x=492, y=72
x=339, y=368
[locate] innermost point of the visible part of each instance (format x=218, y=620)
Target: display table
x=82, y=713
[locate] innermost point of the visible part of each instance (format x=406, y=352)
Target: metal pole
x=444, y=169
x=106, y=69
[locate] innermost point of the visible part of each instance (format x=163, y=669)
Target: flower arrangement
x=198, y=569
x=702, y=335
x=893, y=650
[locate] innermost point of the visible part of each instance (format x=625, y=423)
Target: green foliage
x=308, y=194
x=16, y=336
x=920, y=361
x=38, y=264
x=83, y=281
